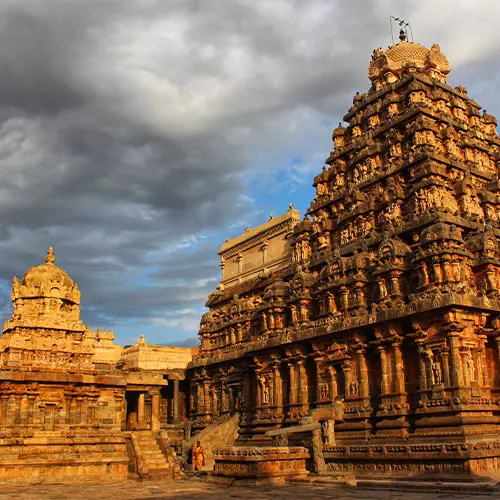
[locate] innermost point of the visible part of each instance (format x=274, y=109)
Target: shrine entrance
x=132, y=419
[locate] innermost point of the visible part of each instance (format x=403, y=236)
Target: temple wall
x=265, y=248
x=155, y=357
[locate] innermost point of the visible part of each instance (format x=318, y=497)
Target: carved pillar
x=79, y=407
x=141, y=410
x=239, y=332
x=175, y=402
x=344, y=298
x=304, y=312
x=258, y=392
x=155, y=411
x=223, y=396
x=334, y=391
x=206, y=395
x=293, y=383
x=364, y=389
x=347, y=369
x=395, y=286
x=319, y=378
x=84, y=403
x=399, y=368
x=456, y=361
x=302, y=383
x=483, y=363
x=446, y=368
x=24, y=410
x=277, y=396
x=384, y=385
x=73, y=412
x=424, y=380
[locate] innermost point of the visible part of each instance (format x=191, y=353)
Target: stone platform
x=260, y=466
x=51, y=458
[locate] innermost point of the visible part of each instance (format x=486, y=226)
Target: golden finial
x=50, y=258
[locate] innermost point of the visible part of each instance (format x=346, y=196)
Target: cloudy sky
x=135, y=135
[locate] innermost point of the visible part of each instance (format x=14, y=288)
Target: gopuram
x=75, y=405
x=372, y=325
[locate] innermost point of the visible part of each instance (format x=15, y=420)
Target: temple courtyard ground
x=198, y=490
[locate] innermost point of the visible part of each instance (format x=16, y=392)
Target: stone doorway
x=132, y=420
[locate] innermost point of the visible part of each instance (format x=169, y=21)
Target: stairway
x=154, y=465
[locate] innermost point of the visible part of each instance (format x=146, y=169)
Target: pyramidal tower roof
x=405, y=218
x=386, y=66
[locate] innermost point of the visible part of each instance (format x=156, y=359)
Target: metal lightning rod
x=404, y=25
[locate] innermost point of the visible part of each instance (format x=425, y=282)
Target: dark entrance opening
x=132, y=399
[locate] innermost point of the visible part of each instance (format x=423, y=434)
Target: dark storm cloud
x=126, y=126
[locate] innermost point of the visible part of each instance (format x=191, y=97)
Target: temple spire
x=50, y=258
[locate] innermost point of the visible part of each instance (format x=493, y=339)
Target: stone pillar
x=347, y=369
x=319, y=379
x=206, y=395
x=423, y=368
x=302, y=383
x=344, y=298
x=293, y=383
x=84, y=410
x=482, y=362
x=277, y=395
x=364, y=389
x=446, y=368
x=258, y=392
x=477, y=357
x=456, y=361
x=155, y=411
x=399, y=368
x=24, y=410
x=141, y=410
x=384, y=383
x=334, y=390
x=73, y=412
x=175, y=402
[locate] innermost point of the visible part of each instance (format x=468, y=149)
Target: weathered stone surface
x=276, y=464
x=143, y=356
x=66, y=404
x=385, y=320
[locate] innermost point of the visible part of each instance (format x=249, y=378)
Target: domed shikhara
x=45, y=297
x=46, y=280
x=385, y=67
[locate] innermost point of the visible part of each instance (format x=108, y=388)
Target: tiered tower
x=63, y=398
x=389, y=301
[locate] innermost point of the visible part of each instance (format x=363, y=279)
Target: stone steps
x=153, y=457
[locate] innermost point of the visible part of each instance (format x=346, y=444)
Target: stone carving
x=386, y=293
x=73, y=398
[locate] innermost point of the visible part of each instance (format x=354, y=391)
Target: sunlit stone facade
x=72, y=403
x=387, y=303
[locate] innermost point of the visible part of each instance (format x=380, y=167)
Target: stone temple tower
x=388, y=301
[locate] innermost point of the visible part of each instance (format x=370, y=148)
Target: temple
x=371, y=327
x=72, y=403
x=361, y=338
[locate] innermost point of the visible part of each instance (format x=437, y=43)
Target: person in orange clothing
x=198, y=456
